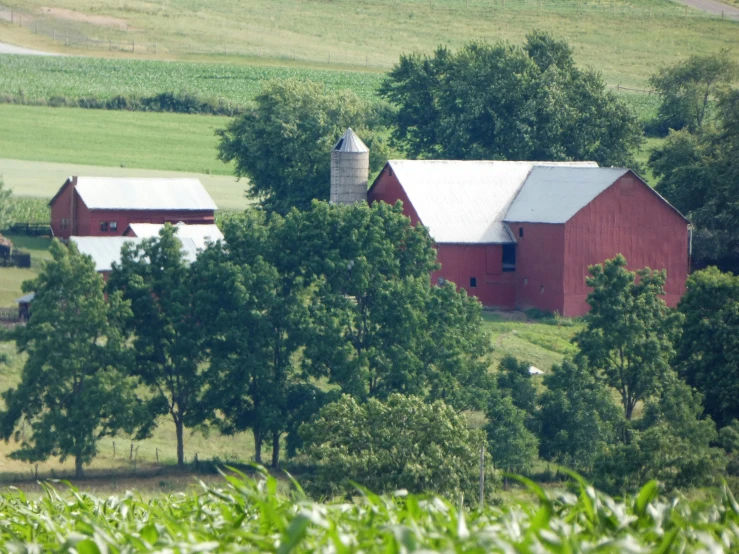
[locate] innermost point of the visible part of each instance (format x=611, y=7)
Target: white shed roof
x=105, y=251
x=555, y=194
x=466, y=201
x=113, y=193
x=200, y=234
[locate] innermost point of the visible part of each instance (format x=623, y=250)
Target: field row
x=373, y=34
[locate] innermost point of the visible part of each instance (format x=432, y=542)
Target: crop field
x=241, y=514
x=625, y=39
x=40, y=77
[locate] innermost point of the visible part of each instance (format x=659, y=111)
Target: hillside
x=625, y=39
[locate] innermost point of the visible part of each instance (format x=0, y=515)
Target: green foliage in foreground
x=246, y=515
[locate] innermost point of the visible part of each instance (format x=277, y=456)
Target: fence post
x=11, y=16
x=133, y=46
x=155, y=47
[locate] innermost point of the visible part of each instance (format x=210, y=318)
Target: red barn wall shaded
x=479, y=265
x=540, y=255
x=387, y=188
x=627, y=218
x=70, y=216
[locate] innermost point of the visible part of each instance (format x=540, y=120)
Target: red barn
x=105, y=207
x=522, y=234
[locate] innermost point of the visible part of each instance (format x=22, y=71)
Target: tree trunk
x=629, y=410
x=79, y=471
x=275, y=449
x=257, y=446
x=180, y=443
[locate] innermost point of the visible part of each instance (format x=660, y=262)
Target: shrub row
x=174, y=102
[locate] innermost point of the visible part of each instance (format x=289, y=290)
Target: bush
x=402, y=444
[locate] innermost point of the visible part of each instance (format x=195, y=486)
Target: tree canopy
x=166, y=339
x=403, y=443
x=629, y=331
x=499, y=101
x=282, y=143
x=708, y=349
x=6, y=205
x=74, y=387
x=688, y=90
x=699, y=175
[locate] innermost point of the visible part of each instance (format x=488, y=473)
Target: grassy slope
x=174, y=142
x=626, y=39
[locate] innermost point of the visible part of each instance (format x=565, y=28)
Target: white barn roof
x=466, y=201
x=555, y=194
x=201, y=235
x=112, y=193
x=105, y=251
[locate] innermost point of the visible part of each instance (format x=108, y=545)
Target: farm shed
x=201, y=235
x=105, y=251
x=521, y=235
x=105, y=206
x=24, y=305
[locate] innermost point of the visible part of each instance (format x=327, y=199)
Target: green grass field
x=172, y=142
x=625, y=39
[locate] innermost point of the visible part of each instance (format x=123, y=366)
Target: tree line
x=321, y=334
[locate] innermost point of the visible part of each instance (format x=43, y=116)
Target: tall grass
x=247, y=514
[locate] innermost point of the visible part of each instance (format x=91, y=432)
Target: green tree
x=165, y=336
x=708, y=349
x=508, y=102
x=6, y=205
x=254, y=313
x=510, y=443
x=629, y=332
x=74, y=387
x=283, y=142
x=379, y=326
x=513, y=378
x=699, y=175
x=577, y=417
x=672, y=443
x=688, y=89
x=403, y=443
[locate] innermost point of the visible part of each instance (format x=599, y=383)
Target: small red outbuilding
x=522, y=234
x=105, y=206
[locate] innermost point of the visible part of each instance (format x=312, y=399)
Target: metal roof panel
x=113, y=193
x=555, y=194
x=105, y=251
x=466, y=201
x=350, y=142
x=201, y=235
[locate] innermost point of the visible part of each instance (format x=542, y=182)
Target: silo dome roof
x=350, y=142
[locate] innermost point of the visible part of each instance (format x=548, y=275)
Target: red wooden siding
x=627, y=218
x=387, y=188
x=540, y=255
x=462, y=262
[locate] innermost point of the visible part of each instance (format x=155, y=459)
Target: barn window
x=509, y=257
x=440, y=281
x=473, y=282
x=65, y=223
x=520, y=232
x=113, y=225
x=103, y=225
x=541, y=289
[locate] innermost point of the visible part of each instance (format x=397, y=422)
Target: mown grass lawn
x=165, y=141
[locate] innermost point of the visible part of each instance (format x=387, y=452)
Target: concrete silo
x=349, y=170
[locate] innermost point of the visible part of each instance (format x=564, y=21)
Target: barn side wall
x=627, y=218
x=89, y=220
x=461, y=263
x=539, y=266
x=61, y=210
x=387, y=188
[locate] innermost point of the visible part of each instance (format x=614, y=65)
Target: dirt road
x=6, y=48
x=714, y=7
